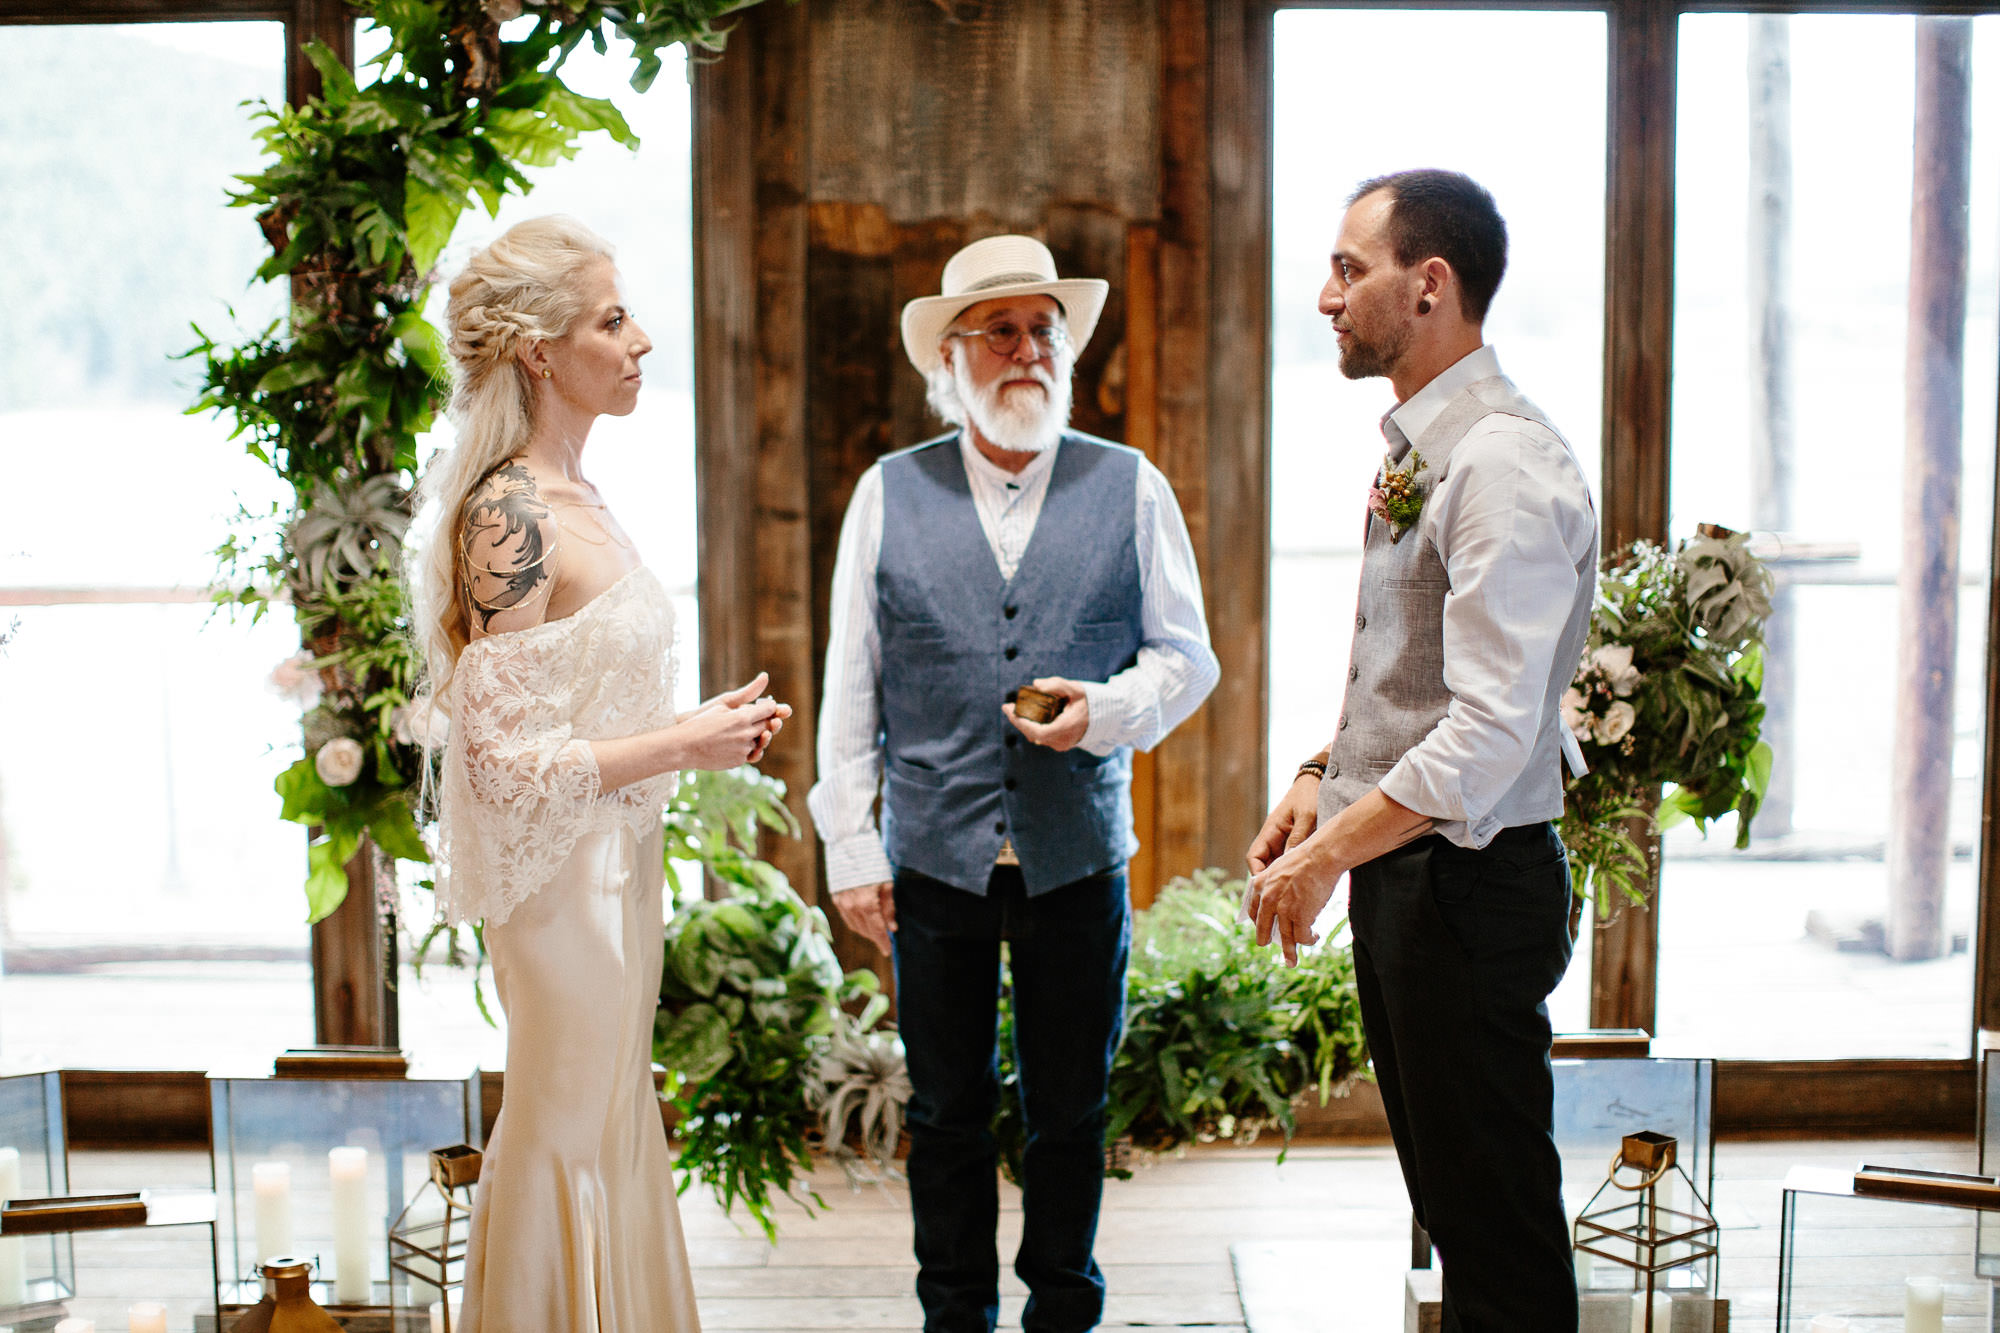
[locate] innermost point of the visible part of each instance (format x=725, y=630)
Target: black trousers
x=1455, y=953
x=1066, y=952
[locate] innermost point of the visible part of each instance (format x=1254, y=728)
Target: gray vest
x=956, y=638
x=1395, y=679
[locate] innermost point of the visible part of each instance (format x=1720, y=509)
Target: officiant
x=1008, y=553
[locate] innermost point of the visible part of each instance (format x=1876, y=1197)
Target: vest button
x=1353, y=672
x=1360, y=622
x=1012, y=741
x=1343, y=722
x=1010, y=784
x=1000, y=826
x=1333, y=770
x=1011, y=654
x=1010, y=611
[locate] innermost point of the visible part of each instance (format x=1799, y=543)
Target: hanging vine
x=358, y=197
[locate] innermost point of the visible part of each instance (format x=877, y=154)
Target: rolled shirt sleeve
x=1176, y=669
x=842, y=802
x=1511, y=522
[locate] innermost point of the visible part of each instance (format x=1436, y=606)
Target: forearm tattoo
x=506, y=560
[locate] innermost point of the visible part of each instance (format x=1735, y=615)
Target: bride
x=550, y=647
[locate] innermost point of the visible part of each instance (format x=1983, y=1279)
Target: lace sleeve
x=519, y=787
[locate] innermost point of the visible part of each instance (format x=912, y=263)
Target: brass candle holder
x=423, y=1245
x=1644, y=1235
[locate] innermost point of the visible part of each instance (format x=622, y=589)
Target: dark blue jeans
x=1067, y=950
x=1455, y=953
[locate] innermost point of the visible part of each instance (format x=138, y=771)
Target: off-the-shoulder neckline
x=575, y=615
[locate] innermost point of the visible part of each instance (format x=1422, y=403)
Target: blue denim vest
x=956, y=638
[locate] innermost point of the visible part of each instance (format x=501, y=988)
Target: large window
x=149, y=907
x=150, y=904
x=1540, y=150
x=1800, y=411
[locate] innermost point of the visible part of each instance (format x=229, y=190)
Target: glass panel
x=644, y=463
x=154, y=914
x=148, y=897
x=1790, y=407
x=1540, y=150
x=280, y=1188
x=1880, y=1265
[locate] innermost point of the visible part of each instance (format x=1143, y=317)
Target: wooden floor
x=1223, y=1239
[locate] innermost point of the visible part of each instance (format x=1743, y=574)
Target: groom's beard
x=1020, y=420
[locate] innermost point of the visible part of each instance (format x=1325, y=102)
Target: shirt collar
x=979, y=465
x=1414, y=417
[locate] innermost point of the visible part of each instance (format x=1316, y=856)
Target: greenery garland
x=359, y=197
x=1669, y=693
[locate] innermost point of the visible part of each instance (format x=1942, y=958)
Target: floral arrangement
x=359, y=194
x=1668, y=694
x=1397, y=495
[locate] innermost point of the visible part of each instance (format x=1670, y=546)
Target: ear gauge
x=1423, y=308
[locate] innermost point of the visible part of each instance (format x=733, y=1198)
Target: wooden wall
x=844, y=150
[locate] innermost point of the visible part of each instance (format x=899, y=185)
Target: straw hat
x=995, y=267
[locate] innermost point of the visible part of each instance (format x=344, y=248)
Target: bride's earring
x=545, y=374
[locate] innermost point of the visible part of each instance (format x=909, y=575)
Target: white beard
x=1017, y=420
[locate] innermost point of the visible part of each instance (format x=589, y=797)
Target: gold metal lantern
x=1645, y=1234
x=429, y=1236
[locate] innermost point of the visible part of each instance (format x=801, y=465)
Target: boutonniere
x=1397, y=497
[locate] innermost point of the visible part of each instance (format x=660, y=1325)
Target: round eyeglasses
x=1002, y=339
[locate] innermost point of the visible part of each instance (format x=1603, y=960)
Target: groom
x=1436, y=795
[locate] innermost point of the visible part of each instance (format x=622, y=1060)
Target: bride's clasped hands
x=735, y=727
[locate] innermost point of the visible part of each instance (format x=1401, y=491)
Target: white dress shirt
x=1174, y=672
x=1511, y=520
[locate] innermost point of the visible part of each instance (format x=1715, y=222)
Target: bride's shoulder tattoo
x=507, y=543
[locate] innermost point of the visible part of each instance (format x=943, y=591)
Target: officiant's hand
x=1065, y=730
x=1288, y=896
x=869, y=911
x=1291, y=821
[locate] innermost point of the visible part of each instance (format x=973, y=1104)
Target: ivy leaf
x=696, y=1044
x=429, y=214
x=305, y=795
x=421, y=340
x=336, y=80
x=395, y=830
x=584, y=114
x=291, y=374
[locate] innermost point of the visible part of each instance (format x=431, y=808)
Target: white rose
x=1617, y=720
x=294, y=679
x=338, y=762
x=421, y=722
x=1614, y=662
x=1573, y=715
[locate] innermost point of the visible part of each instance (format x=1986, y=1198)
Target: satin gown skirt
x=575, y=1228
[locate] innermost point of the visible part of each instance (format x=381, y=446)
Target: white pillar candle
x=271, y=1182
x=1923, y=1305
x=146, y=1317
x=75, y=1325
x=1663, y=1315
x=349, y=1168
x=437, y=1312
x=13, y=1264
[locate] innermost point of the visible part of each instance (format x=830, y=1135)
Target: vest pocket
x=1100, y=631
x=902, y=771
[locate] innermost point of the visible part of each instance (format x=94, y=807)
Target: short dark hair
x=1448, y=215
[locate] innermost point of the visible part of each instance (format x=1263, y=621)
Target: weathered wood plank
x=1237, y=464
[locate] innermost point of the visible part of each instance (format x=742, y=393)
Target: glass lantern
x=321, y=1163
x=1598, y=1103
x=37, y=1272
x=1832, y=1266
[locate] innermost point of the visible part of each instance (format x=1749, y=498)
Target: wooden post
x=1638, y=377
x=353, y=962
x=1927, y=585
x=1771, y=381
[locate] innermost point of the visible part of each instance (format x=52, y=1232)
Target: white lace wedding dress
x=575, y=1228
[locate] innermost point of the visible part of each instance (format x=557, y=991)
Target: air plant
x=350, y=530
